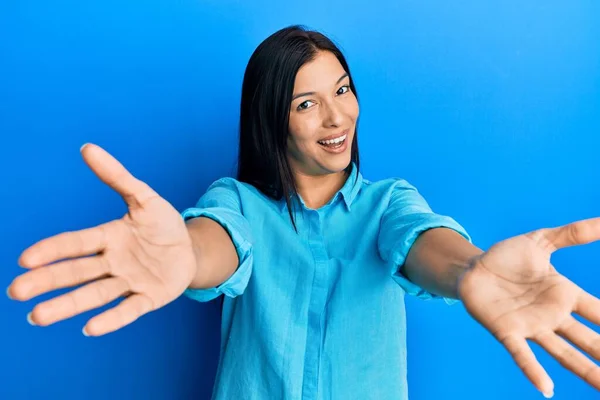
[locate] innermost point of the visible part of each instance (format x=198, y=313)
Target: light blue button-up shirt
x=317, y=314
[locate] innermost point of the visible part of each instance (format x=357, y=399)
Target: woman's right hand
x=146, y=257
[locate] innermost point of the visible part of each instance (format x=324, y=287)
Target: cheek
x=303, y=130
x=353, y=109
x=296, y=145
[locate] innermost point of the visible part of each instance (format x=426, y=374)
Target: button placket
x=312, y=359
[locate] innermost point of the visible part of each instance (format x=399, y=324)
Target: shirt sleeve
x=222, y=204
x=407, y=216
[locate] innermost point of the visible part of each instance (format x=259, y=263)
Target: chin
x=337, y=165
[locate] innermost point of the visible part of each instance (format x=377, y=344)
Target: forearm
x=437, y=259
x=216, y=257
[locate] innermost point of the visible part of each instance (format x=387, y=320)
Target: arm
x=437, y=259
x=215, y=253
x=222, y=242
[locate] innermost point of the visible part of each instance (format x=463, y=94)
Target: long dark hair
x=265, y=107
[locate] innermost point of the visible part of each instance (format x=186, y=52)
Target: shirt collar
x=348, y=191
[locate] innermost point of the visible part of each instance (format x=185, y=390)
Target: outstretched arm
x=514, y=292
x=437, y=259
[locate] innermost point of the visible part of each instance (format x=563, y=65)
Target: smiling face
x=323, y=107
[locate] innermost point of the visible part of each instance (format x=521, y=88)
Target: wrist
x=196, y=274
x=469, y=266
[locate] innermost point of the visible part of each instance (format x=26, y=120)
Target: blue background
x=492, y=109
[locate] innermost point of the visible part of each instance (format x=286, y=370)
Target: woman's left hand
x=516, y=294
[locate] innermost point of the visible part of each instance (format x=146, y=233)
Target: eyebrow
x=311, y=93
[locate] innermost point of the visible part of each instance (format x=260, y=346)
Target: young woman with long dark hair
x=312, y=261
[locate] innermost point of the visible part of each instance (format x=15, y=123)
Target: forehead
x=321, y=73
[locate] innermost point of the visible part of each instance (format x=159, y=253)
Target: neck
x=317, y=190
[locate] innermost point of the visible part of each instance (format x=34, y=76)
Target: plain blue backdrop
x=492, y=109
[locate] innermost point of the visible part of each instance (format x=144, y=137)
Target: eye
x=343, y=89
x=303, y=105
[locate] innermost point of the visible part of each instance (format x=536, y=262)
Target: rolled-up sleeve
x=407, y=216
x=222, y=204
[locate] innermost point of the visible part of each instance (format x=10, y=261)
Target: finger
x=525, y=358
x=581, y=336
x=570, y=358
x=588, y=307
x=113, y=173
x=88, y=297
x=119, y=316
x=57, y=276
x=575, y=233
x=67, y=245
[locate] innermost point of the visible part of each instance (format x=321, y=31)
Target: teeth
x=334, y=141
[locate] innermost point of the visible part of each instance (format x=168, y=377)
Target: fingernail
x=548, y=395
x=29, y=319
x=81, y=148
x=8, y=293
x=84, y=332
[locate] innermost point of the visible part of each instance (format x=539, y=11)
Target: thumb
x=113, y=173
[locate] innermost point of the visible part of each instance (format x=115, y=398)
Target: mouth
x=335, y=142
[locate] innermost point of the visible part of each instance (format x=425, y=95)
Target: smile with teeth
x=337, y=142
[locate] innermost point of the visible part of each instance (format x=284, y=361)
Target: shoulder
x=390, y=192
x=232, y=184
x=243, y=192
x=387, y=185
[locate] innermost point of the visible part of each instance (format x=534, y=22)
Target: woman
x=313, y=261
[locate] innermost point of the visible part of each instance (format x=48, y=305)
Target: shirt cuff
x=237, y=282
x=399, y=255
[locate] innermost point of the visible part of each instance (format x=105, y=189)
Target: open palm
x=146, y=257
x=516, y=294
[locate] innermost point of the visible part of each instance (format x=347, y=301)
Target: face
x=323, y=107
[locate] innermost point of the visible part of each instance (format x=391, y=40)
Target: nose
x=333, y=114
